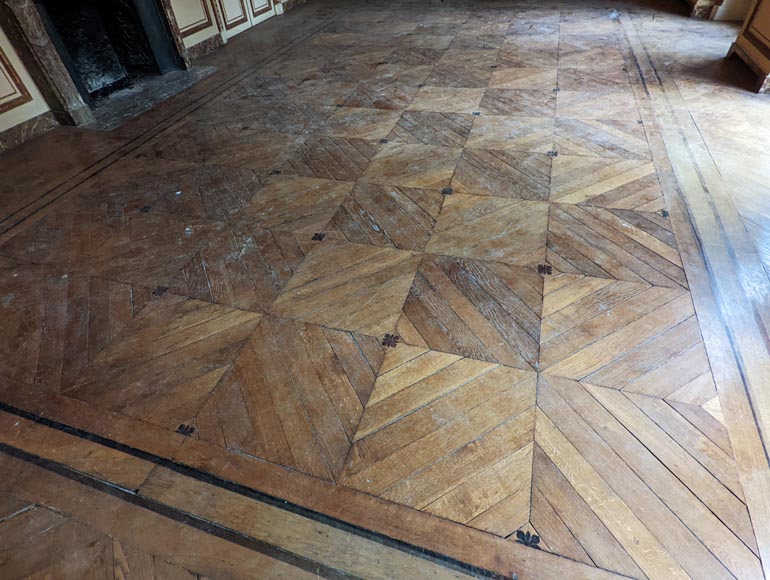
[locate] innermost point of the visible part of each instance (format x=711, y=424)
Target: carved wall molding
x=18, y=93
x=21, y=21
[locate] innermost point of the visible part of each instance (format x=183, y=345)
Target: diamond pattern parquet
x=483, y=310
x=428, y=259
x=294, y=396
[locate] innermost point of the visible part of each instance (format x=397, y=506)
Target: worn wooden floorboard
x=466, y=278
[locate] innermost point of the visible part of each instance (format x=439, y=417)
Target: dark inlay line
x=178, y=516
x=211, y=479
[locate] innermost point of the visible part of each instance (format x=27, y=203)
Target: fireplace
x=109, y=44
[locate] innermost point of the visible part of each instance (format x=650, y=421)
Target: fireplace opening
x=108, y=45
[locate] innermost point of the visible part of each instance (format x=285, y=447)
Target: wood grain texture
x=491, y=228
x=582, y=431
x=598, y=104
x=402, y=217
x=294, y=396
x=601, y=138
x=409, y=165
x=471, y=466
x=528, y=78
x=331, y=158
x=619, y=244
x=167, y=361
x=512, y=133
x=304, y=205
x=428, y=128
x=363, y=292
x=481, y=310
x=625, y=335
x=531, y=103
x=501, y=173
x=630, y=184
x=347, y=266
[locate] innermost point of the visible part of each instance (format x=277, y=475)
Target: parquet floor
x=425, y=259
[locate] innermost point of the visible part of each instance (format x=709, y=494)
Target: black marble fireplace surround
x=109, y=44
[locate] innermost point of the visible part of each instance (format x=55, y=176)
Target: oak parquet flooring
x=473, y=188
x=409, y=450
x=605, y=243
x=570, y=525
x=415, y=56
x=322, y=92
x=447, y=100
x=459, y=76
x=361, y=123
x=601, y=138
x=480, y=310
x=549, y=41
x=578, y=54
x=245, y=269
x=388, y=216
x=294, y=396
x=625, y=335
x=256, y=149
x=530, y=103
x=332, y=158
x=363, y=292
x=534, y=27
x=500, y=173
x=210, y=192
x=150, y=249
x=514, y=56
x=387, y=94
x=514, y=231
x=533, y=134
x=303, y=205
x=268, y=114
x=243, y=265
x=38, y=543
x=54, y=324
x=429, y=128
x=627, y=184
x=469, y=57
x=260, y=85
x=607, y=79
x=524, y=78
x=408, y=165
x=167, y=361
x=598, y=104
x=477, y=41
x=586, y=431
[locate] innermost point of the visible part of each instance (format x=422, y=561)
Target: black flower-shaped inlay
x=476, y=113
x=531, y=540
x=275, y=172
x=146, y=209
x=383, y=141
x=185, y=430
x=390, y=340
x=553, y=154
x=318, y=236
x=545, y=269
x=160, y=291
x=664, y=213
x=447, y=191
